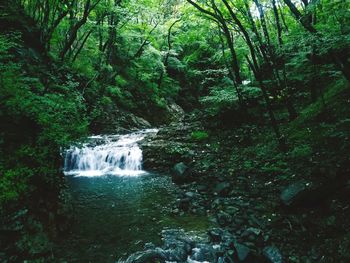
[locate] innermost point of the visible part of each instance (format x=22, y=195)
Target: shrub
x=199, y=135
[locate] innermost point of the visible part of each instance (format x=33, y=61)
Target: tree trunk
x=160, y=80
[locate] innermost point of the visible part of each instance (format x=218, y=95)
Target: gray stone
x=156, y=255
x=204, y=253
x=242, y=251
x=180, y=173
x=232, y=210
x=184, y=204
x=202, y=188
x=224, y=218
x=215, y=234
x=272, y=254
x=190, y=194
x=222, y=189
x=293, y=193
x=252, y=231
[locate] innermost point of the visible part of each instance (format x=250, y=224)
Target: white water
x=113, y=154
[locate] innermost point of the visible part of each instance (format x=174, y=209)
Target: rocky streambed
x=195, y=207
x=255, y=218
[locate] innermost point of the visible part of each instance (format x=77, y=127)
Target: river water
x=118, y=207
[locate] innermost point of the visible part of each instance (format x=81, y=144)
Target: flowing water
x=118, y=207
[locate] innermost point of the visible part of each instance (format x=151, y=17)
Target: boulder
x=204, y=253
x=139, y=122
x=175, y=112
x=184, y=204
x=215, y=234
x=224, y=218
x=294, y=193
x=272, y=254
x=181, y=173
x=155, y=255
x=242, y=252
x=222, y=189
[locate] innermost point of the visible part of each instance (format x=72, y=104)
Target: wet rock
x=174, y=111
x=242, y=251
x=204, y=253
x=184, y=204
x=202, y=188
x=181, y=173
x=149, y=246
x=155, y=255
x=176, y=254
x=231, y=210
x=139, y=122
x=175, y=211
x=228, y=257
x=294, y=193
x=272, y=254
x=224, y=218
x=238, y=221
x=201, y=211
x=177, y=246
x=222, y=189
x=252, y=231
x=215, y=234
x=190, y=194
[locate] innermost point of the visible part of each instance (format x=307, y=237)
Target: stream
x=117, y=206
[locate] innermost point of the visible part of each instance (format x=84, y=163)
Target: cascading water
x=116, y=215
x=113, y=154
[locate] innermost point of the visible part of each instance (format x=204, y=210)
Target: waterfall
x=111, y=154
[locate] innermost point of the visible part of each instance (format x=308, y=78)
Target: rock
x=222, y=189
x=174, y=111
x=215, y=234
x=202, y=188
x=149, y=246
x=293, y=193
x=155, y=255
x=204, y=253
x=139, y=122
x=190, y=194
x=232, y=210
x=252, y=231
x=176, y=254
x=272, y=254
x=227, y=258
x=180, y=173
x=177, y=245
x=201, y=211
x=242, y=251
x=184, y=204
x=238, y=221
x=175, y=211
x=224, y=218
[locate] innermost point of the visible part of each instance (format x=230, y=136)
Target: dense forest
x=251, y=99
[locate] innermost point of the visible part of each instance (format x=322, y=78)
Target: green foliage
x=13, y=184
x=301, y=152
x=220, y=98
x=36, y=120
x=199, y=135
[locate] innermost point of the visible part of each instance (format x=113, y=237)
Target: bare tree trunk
x=256, y=70
x=144, y=43
x=73, y=32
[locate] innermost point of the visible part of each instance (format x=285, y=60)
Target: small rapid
x=109, y=154
x=114, y=211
